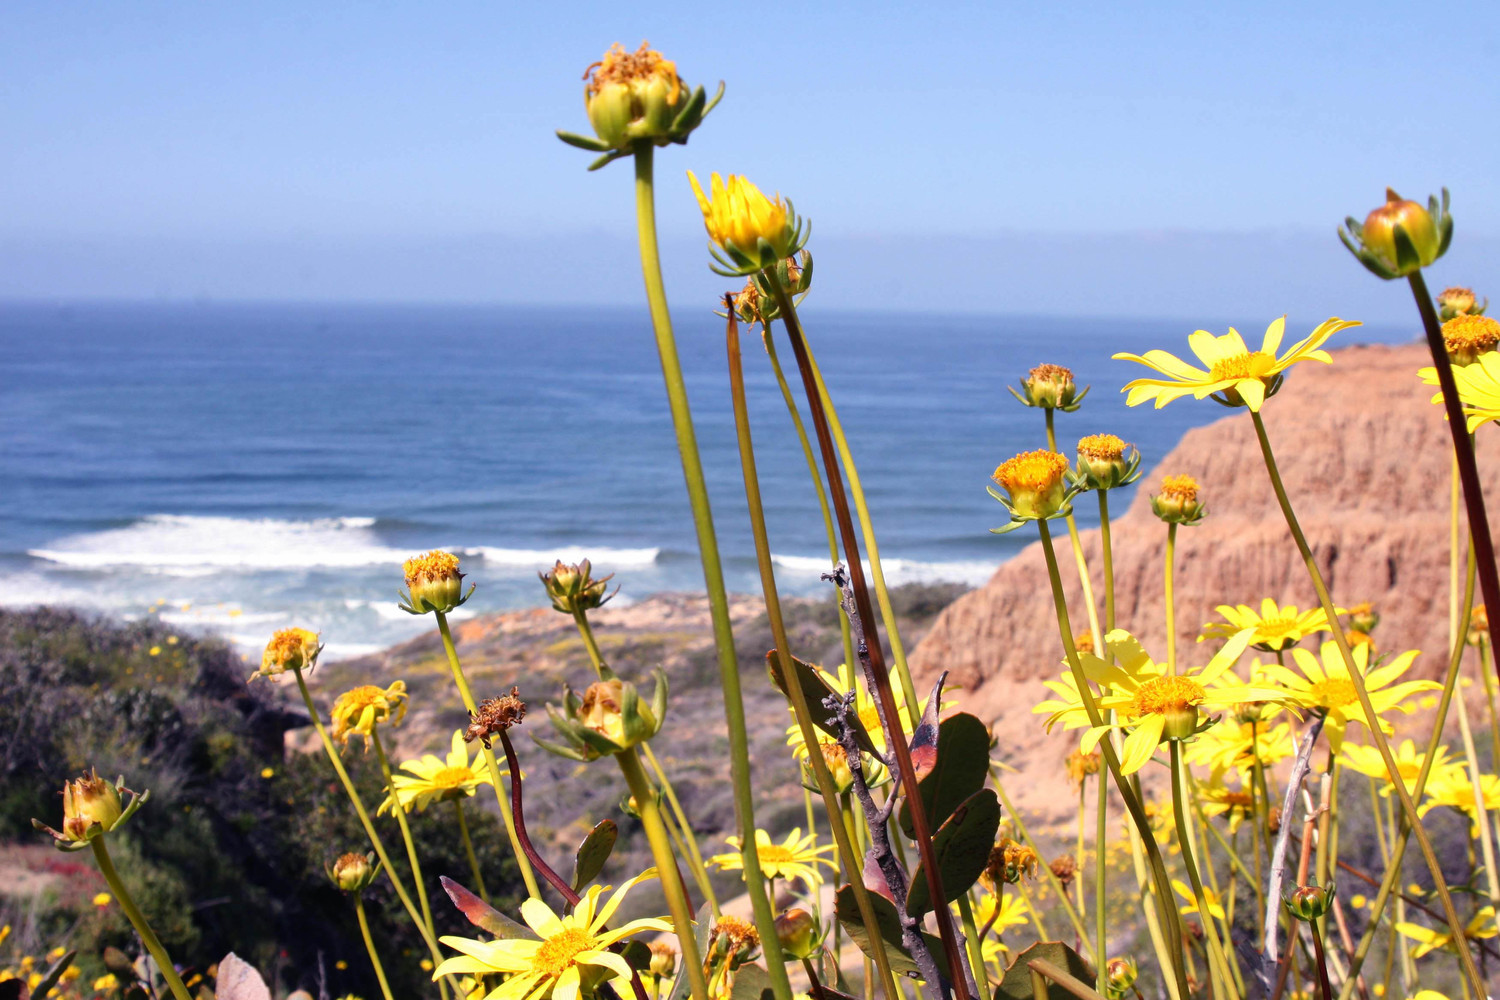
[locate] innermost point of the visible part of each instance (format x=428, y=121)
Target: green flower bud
x=91, y=806
x=1309, y=902
x=571, y=587
x=1455, y=301
x=1178, y=502
x=798, y=933
x=354, y=872
x=1106, y=462
x=1120, y=975
x=433, y=583
x=1050, y=387
x=1410, y=218
x=609, y=718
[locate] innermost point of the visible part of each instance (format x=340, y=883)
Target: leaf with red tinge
x=482, y=914
x=874, y=878
x=924, y=742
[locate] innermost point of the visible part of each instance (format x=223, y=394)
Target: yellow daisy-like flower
x=1367, y=761
x=1013, y=911
x=1067, y=708
x=1481, y=925
x=795, y=857
x=1153, y=704
x=1215, y=907
x=1454, y=789
x=739, y=218
x=1235, y=374
x=1218, y=799
x=431, y=779
x=572, y=956
x=1274, y=627
x=1326, y=685
x=1478, y=389
x=358, y=711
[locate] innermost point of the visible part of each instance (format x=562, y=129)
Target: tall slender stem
x=1107, y=556
x=364, y=819
x=364, y=932
x=463, y=832
x=690, y=841
x=1083, y=798
x=1085, y=583
x=1171, y=604
x=581, y=619
x=1372, y=718
x=527, y=875
x=1468, y=470
x=1047, y=872
x=872, y=655
x=790, y=681
x=713, y=573
x=649, y=808
x=1180, y=814
x=401, y=821
x=138, y=920
x=1171, y=926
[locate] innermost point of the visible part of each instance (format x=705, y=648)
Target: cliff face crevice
x=1365, y=457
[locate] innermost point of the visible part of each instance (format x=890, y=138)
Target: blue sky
x=1164, y=159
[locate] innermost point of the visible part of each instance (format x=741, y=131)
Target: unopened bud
x=1309, y=902
x=1120, y=976
x=798, y=933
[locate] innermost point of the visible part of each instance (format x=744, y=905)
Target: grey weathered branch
x=1268, y=961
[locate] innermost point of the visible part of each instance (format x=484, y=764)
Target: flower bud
x=1459, y=302
x=798, y=933
x=1399, y=227
x=294, y=649
x=1103, y=462
x=1309, y=902
x=1479, y=626
x=610, y=718
x=1081, y=765
x=1470, y=336
x=91, y=806
x=1050, y=387
x=752, y=231
x=1178, y=502
x=1120, y=975
x=433, y=583
x=572, y=587
x=663, y=959
x=732, y=941
x=354, y=872
x=1363, y=617
x=839, y=773
x=632, y=95
x=1034, y=481
x=359, y=710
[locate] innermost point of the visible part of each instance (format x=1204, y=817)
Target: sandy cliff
x=1365, y=457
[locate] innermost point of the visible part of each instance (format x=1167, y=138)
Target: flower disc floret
x=1103, y=462
x=1035, y=485
x=433, y=583
x=1469, y=336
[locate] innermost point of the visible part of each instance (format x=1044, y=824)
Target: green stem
x=401, y=821
x=1106, y=548
x=1372, y=718
x=713, y=574
x=364, y=819
x=1083, y=797
x=1185, y=840
x=817, y=481
x=463, y=832
x=581, y=619
x=666, y=869
x=138, y=920
x=364, y=932
x=1171, y=605
x=1085, y=582
x=527, y=874
x=971, y=939
x=695, y=856
x=1171, y=927
x=790, y=681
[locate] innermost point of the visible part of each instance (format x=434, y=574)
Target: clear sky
x=1155, y=159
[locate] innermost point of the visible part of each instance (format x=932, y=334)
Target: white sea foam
x=600, y=556
x=898, y=571
x=174, y=543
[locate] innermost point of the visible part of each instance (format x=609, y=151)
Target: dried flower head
x=1010, y=861
x=1050, y=387
x=289, y=649
x=1065, y=868
x=1456, y=301
x=495, y=715
x=1479, y=626
x=1081, y=765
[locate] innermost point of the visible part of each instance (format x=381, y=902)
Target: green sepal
x=609, y=158
x=1007, y=528
x=659, y=699
x=589, y=859
x=1407, y=257
x=593, y=145
x=962, y=848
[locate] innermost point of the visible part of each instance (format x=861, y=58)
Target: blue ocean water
x=240, y=468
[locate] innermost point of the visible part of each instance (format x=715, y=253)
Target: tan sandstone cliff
x=1365, y=457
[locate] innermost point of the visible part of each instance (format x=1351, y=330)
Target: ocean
x=238, y=468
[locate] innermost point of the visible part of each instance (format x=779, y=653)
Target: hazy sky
x=1111, y=158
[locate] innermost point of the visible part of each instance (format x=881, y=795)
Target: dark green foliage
x=220, y=858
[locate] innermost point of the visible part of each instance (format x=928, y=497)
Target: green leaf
x=846, y=908
x=751, y=982
x=815, y=689
x=962, y=845
x=1017, y=982
x=53, y=975
x=482, y=914
x=589, y=859
x=963, y=760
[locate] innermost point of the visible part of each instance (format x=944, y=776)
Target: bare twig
x=1300, y=766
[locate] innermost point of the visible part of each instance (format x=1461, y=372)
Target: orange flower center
x=1051, y=373
x=1252, y=364
x=1184, y=488
x=621, y=66
x=435, y=565
x=452, y=777
x=1238, y=800
x=1032, y=471
x=1472, y=334
x=1335, y=692
x=1102, y=447
x=558, y=951
x=774, y=854
x=1277, y=629
x=1163, y=694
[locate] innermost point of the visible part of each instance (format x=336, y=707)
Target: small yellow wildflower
x=795, y=857
x=106, y=983
x=750, y=227
x=433, y=583
x=1273, y=628
x=1467, y=337
x=1454, y=788
x=268, y=773
x=430, y=779
x=1367, y=761
x=103, y=899
x=292, y=649
x=1326, y=685
x=359, y=710
x=1478, y=389
x=1481, y=925
x=1178, y=502
x=154, y=651
x=1035, y=484
x=1235, y=374
x=1190, y=906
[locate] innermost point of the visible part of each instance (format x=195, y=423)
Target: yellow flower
x=572, y=957
x=1235, y=375
x=1218, y=799
x=1454, y=789
x=1215, y=908
x=1327, y=686
x=91, y=806
x=433, y=583
x=1478, y=389
x=103, y=899
x=865, y=710
x=1481, y=925
x=795, y=857
x=430, y=779
x=359, y=711
x=753, y=231
x=1013, y=911
x=1155, y=705
x=289, y=649
x=1274, y=627
x=1367, y=761
x=632, y=95
x=1178, y=502
x=106, y=983
x=1035, y=485
x=1467, y=337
